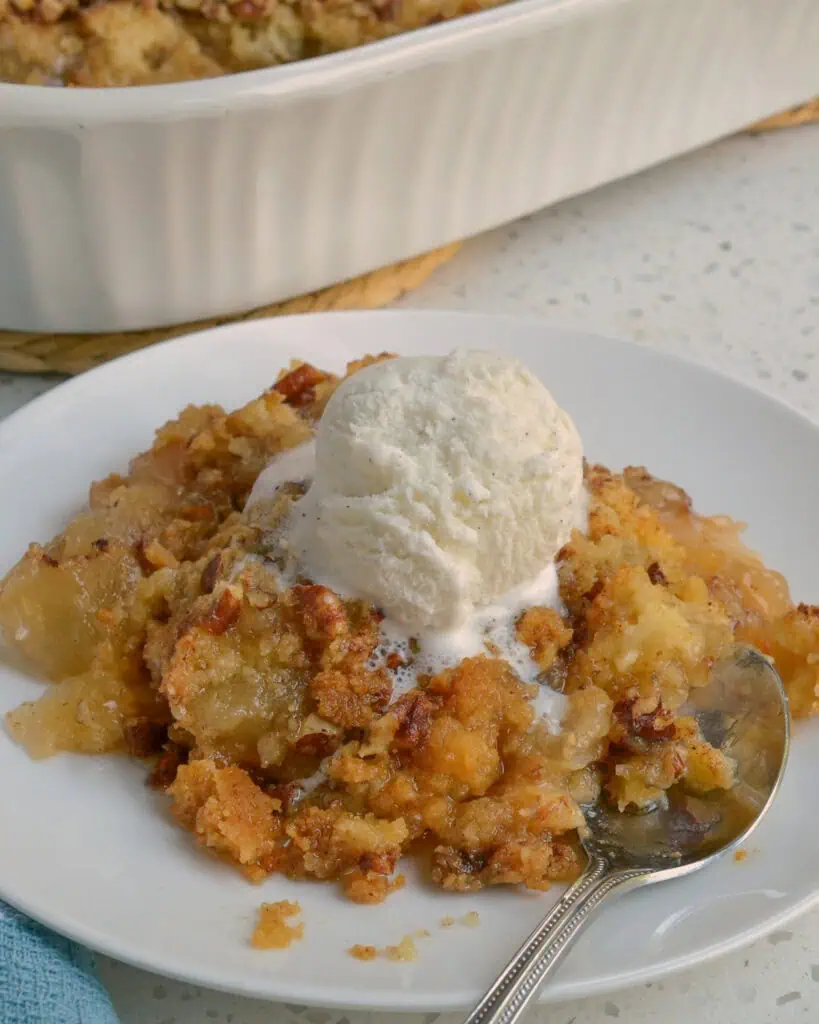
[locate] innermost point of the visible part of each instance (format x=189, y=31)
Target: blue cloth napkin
x=45, y=979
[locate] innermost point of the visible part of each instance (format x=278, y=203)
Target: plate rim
x=194, y=337
x=397, y=1000
x=408, y=1002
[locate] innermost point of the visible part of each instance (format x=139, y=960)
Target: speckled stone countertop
x=715, y=257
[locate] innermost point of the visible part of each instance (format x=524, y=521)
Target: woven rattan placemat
x=21, y=352
x=803, y=114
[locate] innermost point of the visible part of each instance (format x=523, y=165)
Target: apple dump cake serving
x=393, y=615
x=150, y=42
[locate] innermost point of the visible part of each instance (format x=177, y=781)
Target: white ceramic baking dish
x=130, y=208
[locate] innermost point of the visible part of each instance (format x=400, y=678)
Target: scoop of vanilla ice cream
x=440, y=484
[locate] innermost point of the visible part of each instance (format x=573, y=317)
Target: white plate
x=87, y=849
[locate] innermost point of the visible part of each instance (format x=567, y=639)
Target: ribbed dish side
x=116, y=227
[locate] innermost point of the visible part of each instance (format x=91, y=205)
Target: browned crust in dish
x=163, y=624
x=151, y=42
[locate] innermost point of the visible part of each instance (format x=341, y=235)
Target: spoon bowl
x=743, y=713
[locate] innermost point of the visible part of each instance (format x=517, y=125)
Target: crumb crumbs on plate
x=470, y=920
x=740, y=856
x=272, y=929
x=405, y=950
x=363, y=952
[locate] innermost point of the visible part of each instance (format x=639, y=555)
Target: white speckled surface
x=715, y=257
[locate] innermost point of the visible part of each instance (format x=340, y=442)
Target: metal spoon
x=743, y=711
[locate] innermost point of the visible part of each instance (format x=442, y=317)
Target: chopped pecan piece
x=323, y=616
x=594, y=591
x=458, y=870
x=210, y=574
x=388, y=10
x=414, y=712
x=651, y=726
x=298, y=386
x=224, y=612
x=144, y=737
x=246, y=10
x=164, y=771
x=287, y=793
x=317, y=744
x=197, y=513
x=542, y=630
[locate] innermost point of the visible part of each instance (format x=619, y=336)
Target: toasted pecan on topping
x=651, y=726
x=247, y=10
x=594, y=591
x=210, y=574
x=323, y=616
x=287, y=793
x=317, y=744
x=380, y=863
x=224, y=611
x=298, y=386
x=144, y=737
x=164, y=771
x=197, y=513
x=457, y=869
x=389, y=10
x=414, y=713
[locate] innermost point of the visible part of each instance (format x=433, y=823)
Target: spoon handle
x=506, y=1001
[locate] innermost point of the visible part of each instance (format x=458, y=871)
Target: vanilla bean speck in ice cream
x=441, y=484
